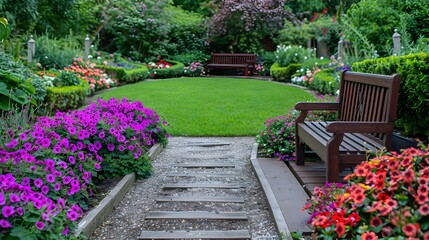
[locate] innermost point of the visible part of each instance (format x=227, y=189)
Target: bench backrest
x=232, y=58
x=368, y=97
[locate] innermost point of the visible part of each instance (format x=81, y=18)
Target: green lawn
x=213, y=106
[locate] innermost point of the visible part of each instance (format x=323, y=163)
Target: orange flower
x=361, y=171
x=369, y=236
x=411, y=229
x=340, y=229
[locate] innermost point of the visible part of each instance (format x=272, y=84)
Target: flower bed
x=386, y=197
x=47, y=170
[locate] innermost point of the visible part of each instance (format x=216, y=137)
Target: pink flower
x=7, y=211
x=5, y=224
x=40, y=225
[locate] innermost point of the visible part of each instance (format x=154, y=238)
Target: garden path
x=199, y=187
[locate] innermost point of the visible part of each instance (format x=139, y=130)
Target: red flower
x=383, y=197
x=424, y=210
x=411, y=229
x=369, y=236
x=379, y=185
x=422, y=198
x=375, y=222
x=359, y=198
x=426, y=236
x=340, y=229
x=353, y=218
x=386, y=231
x=391, y=203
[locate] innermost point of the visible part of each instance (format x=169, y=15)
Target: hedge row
x=177, y=70
x=283, y=74
x=127, y=76
x=413, y=104
x=65, y=98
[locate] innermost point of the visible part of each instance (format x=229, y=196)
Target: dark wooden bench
x=235, y=61
x=366, y=112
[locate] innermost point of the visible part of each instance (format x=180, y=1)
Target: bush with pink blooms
x=47, y=170
x=387, y=198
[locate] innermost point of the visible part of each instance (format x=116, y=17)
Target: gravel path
x=128, y=219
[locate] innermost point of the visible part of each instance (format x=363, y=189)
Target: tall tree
x=236, y=20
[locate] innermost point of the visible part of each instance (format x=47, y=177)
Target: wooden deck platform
x=312, y=174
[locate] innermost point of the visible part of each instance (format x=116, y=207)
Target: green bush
x=65, y=98
x=188, y=58
x=127, y=76
x=14, y=90
x=56, y=53
x=413, y=104
x=283, y=74
x=66, y=79
x=174, y=71
x=326, y=81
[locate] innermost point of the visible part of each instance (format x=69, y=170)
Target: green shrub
x=14, y=90
x=66, y=79
x=174, y=71
x=413, y=104
x=53, y=53
x=188, y=58
x=127, y=76
x=326, y=81
x=65, y=98
x=283, y=74
x=286, y=55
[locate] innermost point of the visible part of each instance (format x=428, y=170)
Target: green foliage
x=292, y=34
x=40, y=88
x=413, y=106
x=284, y=74
x=189, y=57
x=325, y=29
x=66, y=79
x=326, y=81
x=118, y=164
x=286, y=55
x=56, y=53
x=174, y=71
x=4, y=29
x=66, y=98
x=14, y=89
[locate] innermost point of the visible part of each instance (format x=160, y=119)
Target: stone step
x=204, y=165
x=236, y=235
x=216, y=175
x=200, y=185
x=200, y=199
x=197, y=215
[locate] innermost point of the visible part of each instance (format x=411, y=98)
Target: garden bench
x=235, y=61
x=366, y=112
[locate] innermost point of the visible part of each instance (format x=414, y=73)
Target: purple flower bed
x=47, y=171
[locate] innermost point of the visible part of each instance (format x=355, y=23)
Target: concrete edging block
x=96, y=216
x=281, y=225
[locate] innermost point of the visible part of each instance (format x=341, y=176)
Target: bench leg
x=333, y=165
x=299, y=151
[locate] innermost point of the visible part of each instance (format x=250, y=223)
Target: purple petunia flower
x=45, y=143
x=45, y=189
x=81, y=156
x=27, y=146
x=5, y=224
x=66, y=180
x=57, y=149
x=110, y=147
x=2, y=200
x=72, y=147
x=38, y=182
x=72, y=160
x=19, y=211
x=12, y=143
x=14, y=198
x=50, y=178
x=23, y=136
x=25, y=181
x=72, y=215
x=7, y=211
x=71, y=130
x=66, y=231
x=101, y=135
x=40, y=225
x=57, y=187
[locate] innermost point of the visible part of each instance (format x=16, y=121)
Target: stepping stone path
x=201, y=188
x=206, y=163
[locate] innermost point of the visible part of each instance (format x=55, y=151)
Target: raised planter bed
x=96, y=216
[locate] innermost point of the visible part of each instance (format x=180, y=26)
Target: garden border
x=96, y=216
x=281, y=225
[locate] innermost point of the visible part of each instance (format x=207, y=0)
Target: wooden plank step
x=204, y=150
x=220, y=175
x=200, y=199
x=208, y=144
x=210, y=156
x=200, y=185
x=236, y=235
x=197, y=215
x=204, y=165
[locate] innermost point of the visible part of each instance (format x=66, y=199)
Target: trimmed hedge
x=127, y=76
x=65, y=98
x=325, y=81
x=177, y=70
x=283, y=74
x=413, y=104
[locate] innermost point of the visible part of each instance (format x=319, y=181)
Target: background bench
x=234, y=61
x=366, y=115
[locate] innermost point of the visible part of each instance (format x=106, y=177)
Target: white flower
x=305, y=57
x=321, y=58
x=89, y=56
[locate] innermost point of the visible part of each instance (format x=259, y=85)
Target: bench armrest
x=359, y=127
x=304, y=107
x=307, y=106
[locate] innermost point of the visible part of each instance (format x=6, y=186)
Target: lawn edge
x=281, y=225
x=96, y=216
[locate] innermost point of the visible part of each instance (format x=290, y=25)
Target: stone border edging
x=282, y=227
x=96, y=216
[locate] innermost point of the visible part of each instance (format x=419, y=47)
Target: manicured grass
x=213, y=106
